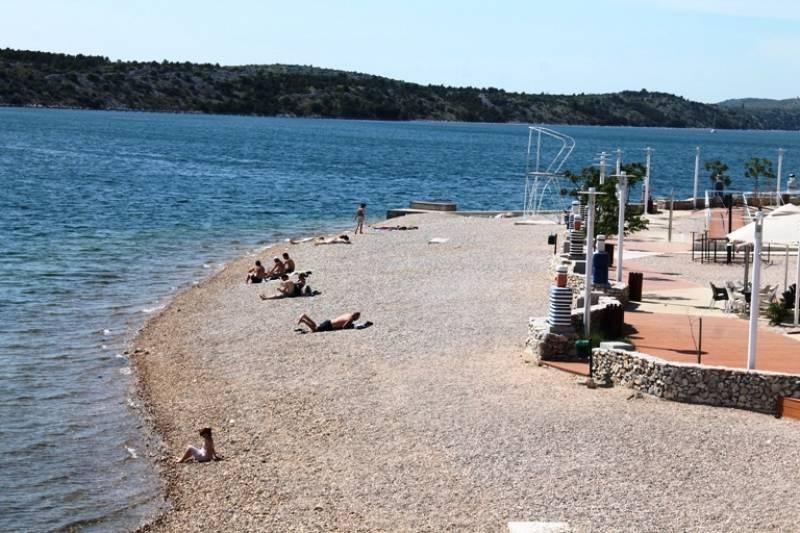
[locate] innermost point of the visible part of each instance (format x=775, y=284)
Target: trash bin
x=582, y=348
x=610, y=252
x=635, y=286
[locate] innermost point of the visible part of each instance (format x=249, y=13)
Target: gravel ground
x=429, y=420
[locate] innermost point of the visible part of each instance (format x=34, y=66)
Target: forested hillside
x=61, y=80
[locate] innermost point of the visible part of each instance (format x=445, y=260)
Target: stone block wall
x=691, y=383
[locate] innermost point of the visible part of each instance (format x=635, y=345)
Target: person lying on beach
x=203, y=454
x=288, y=263
x=276, y=270
x=398, y=228
x=285, y=289
x=341, y=239
x=340, y=322
x=256, y=274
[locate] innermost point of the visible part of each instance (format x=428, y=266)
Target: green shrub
x=776, y=313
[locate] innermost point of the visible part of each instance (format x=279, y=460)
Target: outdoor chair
x=767, y=297
x=737, y=302
x=718, y=294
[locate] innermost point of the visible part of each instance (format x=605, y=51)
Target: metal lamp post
x=649, y=153
x=696, y=175
x=622, y=190
x=754, y=293
x=587, y=289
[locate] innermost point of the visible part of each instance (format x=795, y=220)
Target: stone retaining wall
x=691, y=383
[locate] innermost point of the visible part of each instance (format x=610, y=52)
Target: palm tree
x=756, y=168
x=717, y=173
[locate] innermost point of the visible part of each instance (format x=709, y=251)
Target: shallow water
x=103, y=215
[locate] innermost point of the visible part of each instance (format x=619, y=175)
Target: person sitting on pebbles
x=340, y=322
x=341, y=239
x=277, y=269
x=288, y=263
x=204, y=454
x=256, y=274
x=285, y=289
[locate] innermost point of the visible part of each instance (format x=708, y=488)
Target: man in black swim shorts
x=340, y=322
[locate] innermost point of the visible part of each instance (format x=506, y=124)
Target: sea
x=105, y=215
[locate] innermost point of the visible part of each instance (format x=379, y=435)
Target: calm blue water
x=103, y=215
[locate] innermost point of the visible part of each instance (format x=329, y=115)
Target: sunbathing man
x=288, y=263
x=340, y=322
x=256, y=274
x=285, y=289
x=341, y=239
x=276, y=270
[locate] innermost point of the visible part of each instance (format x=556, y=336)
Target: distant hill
x=59, y=80
x=774, y=114
x=761, y=104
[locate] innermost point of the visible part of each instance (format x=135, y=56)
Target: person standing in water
x=359, y=218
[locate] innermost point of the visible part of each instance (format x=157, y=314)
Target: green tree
x=717, y=172
x=756, y=168
x=607, y=205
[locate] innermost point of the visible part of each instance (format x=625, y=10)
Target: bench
x=789, y=407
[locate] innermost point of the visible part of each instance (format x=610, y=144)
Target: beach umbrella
x=782, y=226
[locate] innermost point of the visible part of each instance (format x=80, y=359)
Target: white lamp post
x=649, y=152
x=587, y=288
x=622, y=198
x=797, y=290
x=780, y=168
x=696, y=174
x=754, y=293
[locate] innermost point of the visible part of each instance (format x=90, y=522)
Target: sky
x=704, y=50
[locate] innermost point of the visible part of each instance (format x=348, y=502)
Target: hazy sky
x=706, y=50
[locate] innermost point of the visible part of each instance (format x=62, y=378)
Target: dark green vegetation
x=94, y=82
x=778, y=114
x=717, y=173
x=607, y=205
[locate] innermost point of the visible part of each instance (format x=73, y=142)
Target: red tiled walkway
x=724, y=343
x=718, y=227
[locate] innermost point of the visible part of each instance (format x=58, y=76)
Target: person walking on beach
x=203, y=454
x=256, y=274
x=359, y=218
x=340, y=322
x=288, y=263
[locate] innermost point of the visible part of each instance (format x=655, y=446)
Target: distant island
x=29, y=78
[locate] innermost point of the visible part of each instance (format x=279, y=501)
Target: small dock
x=438, y=206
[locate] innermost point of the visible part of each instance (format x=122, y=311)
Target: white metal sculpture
x=542, y=183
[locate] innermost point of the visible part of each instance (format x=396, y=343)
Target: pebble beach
x=430, y=420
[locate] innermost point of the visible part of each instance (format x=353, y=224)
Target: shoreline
x=157, y=453
x=428, y=420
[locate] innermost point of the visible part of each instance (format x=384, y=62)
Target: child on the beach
x=359, y=218
x=204, y=454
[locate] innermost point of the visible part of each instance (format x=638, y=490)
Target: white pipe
x=780, y=168
x=696, y=174
x=755, y=297
x=786, y=267
x=622, y=199
x=619, y=160
x=797, y=289
x=587, y=289
x=647, y=181
x=602, y=167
